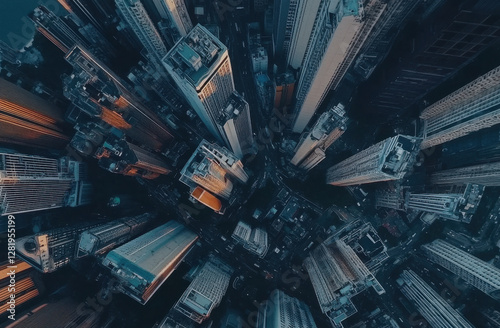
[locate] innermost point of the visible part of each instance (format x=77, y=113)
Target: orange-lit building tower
x=284, y=85
x=28, y=120
x=98, y=92
x=207, y=199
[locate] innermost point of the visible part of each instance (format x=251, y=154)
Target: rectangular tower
x=386, y=160
x=470, y=108
x=340, y=28
x=143, y=264
x=474, y=271
x=176, y=14
x=312, y=146
x=235, y=125
x=28, y=120
x=486, y=174
x=433, y=307
x=283, y=311
x=206, y=290
x=33, y=183
x=200, y=66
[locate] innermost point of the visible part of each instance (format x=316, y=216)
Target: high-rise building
x=235, y=125
x=452, y=206
x=284, y=85
x=200, y=66
x=380, y=40
x=143, y=264
x=339, y=30
x=337, y=274
x=253, y=240
x=176, y=14
x=96, y=12
x=386, y=160
x=51, y=250
x=437, y=48
x=33, y=183
x=66, y=32
x=283, y=21
x=486, y=174
x=259, y=59
x=437, y=311
x=99, y=240
x=8, y=54
x=210, y=167
x=311, y=148
x=136, y=17
x=205, y=292
x=28, y=120
x=99, y=93
x=474, y=271
x=470, y=108
x=283, y=311
x=265, y=90
x=121, y=157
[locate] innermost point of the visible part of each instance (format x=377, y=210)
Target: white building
x=283, y=311
x=175, y=12
x=206, y=291
x=474, y=271
x=310, y=151
x=259, y=60
x=253, y=240
x=433, y=307
x=135, y=15
x=386, y=160
x=200, y=66
x=339, y=30
x=235, y=125
x=470, y=108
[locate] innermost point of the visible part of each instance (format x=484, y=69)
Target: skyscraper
x=99, y=240
x=34, y=183
x=283, y=311
x=284, y=85
x=337, y=274
x=144, y=264
x=433, y=307
x=283, y=21
x=339, y=30
x=253, y=240
x=200, y=66
x=99, y=93
x=213, y=168
x=443, y=42
x=121, y=157
x=474, y=271
x=51, y=250
x=468, y=109
x=205, y=292
x=135, y=15
x=386, y=160
x=486, y=174
x=312, y=145
x=65, y=32
x=452, y=206
x=235, y=125
x=175, y=12
x=28, y=120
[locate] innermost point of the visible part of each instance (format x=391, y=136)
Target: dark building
x=435, y=49
x=28, y=120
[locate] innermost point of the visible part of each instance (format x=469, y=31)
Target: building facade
x=386, y=160
x=200, y=66
x=206, y=290
x=474, y=271
x=311, y=148
x=468, y=109
x=486, y=174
